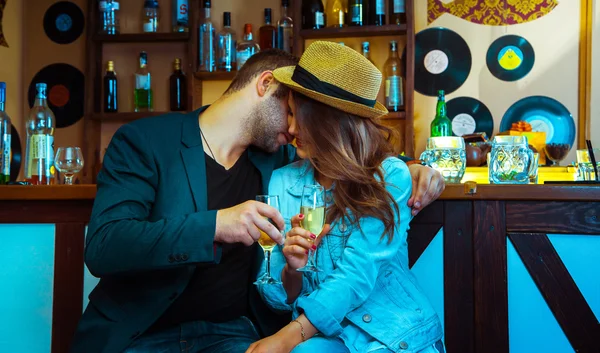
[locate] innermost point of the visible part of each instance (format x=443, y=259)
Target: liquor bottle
x=227, y=45
x=441, y=125
x=207, y=41
x=313, y=16
x=109, y=20
x=397, y=12
x=178, y=88
x=39, y=155
x=377, y=12
x=267, y=33
x=150, y=16
x=180, y=17
x=110, y=89
x=358, y=12
x=285, y=29
x=142, y=94
x=394, y=86
x=247, y=47
x=336, y=13
x=5, y=134
x=366, y=51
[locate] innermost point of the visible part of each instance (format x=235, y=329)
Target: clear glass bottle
x=267, y=33
x=394, y=85
x=110, y=89
x=206, y=37
x=150, y=18
x=109, y=19
x=177, y=88
x=397, y=12
x=285, y=29
x=142, y=94
x=313, y=14
x=227, y=45
x=336, y=13
x=247, y=47
x=180, y=15
x=39, y=155
x=5, y=135
x=366, y=51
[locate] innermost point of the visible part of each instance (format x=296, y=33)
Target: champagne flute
x=265, y=241
x=312, y=207
x=69, y=161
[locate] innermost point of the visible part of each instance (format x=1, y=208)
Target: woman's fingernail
x=417, y=204
x=306, y=252
x=314, y=247
x=313, y=236
x=300, y=216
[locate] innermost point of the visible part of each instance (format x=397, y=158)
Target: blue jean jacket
x=365, y=294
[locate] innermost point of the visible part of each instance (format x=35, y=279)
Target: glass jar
x=510, y=160
x=447, y=155
x=150, y=16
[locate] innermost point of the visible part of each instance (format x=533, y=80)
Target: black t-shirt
x=219, y=292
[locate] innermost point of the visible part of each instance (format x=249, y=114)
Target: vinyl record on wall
x=64, y=22
x=65, y=92
x=469, y=116
x=510, y=58
x=16, y=153
x=442, y=61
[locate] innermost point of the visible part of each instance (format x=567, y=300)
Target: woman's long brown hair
x=349, y=150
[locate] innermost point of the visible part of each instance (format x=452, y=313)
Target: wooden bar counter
x=465, y=249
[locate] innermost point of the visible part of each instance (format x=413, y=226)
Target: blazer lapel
x=194, y=160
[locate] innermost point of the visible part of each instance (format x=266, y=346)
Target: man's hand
x=282, y=342
x=428, y=184
x=241, y=223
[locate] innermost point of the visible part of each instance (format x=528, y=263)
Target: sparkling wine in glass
x=69, y=161
x=312, y=207
x=265, y=241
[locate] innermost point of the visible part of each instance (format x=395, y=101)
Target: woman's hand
x=282, y=342
x=299, y=241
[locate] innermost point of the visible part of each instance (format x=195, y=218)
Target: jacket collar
x=303, y=175
x=190, y=129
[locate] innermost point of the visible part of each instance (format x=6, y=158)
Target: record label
x=436, y=62
x=442, y=61
x=64, y=22
x=540, y=124
x=463, y=124
x=510, y=58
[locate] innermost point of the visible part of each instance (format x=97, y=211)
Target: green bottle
x=441, y=125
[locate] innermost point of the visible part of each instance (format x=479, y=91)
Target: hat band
x=310, y=81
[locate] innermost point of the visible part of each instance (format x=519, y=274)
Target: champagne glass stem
x=268, y=256
x=69, y=178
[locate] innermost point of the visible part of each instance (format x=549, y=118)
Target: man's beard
x=265, y=125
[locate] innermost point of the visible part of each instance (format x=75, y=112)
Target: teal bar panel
x=26, y=284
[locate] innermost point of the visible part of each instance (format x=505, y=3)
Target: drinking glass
x=69, y=160
x=585, y=167
x=312, y=207
x=265, y=241
x=510, y=160
x=447, y=155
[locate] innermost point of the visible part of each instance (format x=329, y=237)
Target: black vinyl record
x=442, y=61
x=469, y=116
x=16, y=153
x=510, y=58
x=63, y=22
x=65, y=92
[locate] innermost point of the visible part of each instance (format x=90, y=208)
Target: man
x=174, y=223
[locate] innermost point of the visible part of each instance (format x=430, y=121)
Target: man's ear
x=264, y=83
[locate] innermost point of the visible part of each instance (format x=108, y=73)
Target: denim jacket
x=365, y=294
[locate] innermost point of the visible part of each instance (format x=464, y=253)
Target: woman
x=365, y=299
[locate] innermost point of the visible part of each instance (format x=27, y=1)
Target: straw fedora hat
x=338, y=76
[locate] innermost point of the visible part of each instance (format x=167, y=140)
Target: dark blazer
x=150, y=228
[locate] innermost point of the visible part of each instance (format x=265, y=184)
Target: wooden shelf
x=396, y=115
x=125, y=116
x=215, y=76
x=353, y=31
x=143, y=37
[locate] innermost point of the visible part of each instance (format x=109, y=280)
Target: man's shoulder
x=161, y=124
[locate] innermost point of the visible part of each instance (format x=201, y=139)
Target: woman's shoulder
x=395, y=171
x=295, y=168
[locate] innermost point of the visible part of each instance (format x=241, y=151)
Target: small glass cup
x=448, y=156
x=585, y=168
x=266, y=242
x=69, y=161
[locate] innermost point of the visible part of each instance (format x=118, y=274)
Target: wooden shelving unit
x=345, y=32
x=142, y=37
x=215, y=76
x=122, y=117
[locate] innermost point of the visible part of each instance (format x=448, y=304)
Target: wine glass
x=265, y=241
x=312, y=207
x=69, y=160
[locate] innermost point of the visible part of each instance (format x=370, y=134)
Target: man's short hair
x=267, y=60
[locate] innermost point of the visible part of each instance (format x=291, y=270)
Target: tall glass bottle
x=366, y=51
x=5, y=135
x=142, y=94
x=267, y=33
x=109, y=19
x=247, y=47
x=313, y=14
x=150, y=16
x=180, y=15
x=441, y=125
x=39, y=155
x=110, y=89
x=394, y=86
x=397, y=12
x=177, y=88
x=285, y=29
x=336, y=13
x=227, y=45
x=206, y=36
x=377, y=12
x=358, y=12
